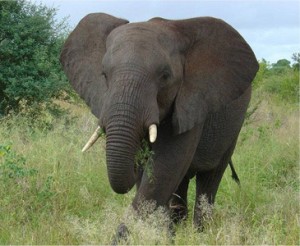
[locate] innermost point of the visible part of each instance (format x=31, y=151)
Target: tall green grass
x=51, y=193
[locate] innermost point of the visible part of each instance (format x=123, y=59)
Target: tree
x=296, y=59
x=30, y=43
x=281, y=66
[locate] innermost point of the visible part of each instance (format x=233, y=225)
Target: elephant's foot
x=203, y=212
x=198, y=223
x=121, y=235
x=178, y=209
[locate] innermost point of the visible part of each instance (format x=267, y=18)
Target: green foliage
x=144, y=158
x=296, y=59
x=30, y=43
x=45, y=191
x=280, y=80
x=38, y=117
x=13, y=165
x=281, y=65
x=263, y=69
x=285, y=86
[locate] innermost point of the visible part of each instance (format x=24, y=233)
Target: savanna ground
x=51, y=193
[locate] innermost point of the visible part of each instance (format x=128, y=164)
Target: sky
x=272, y=28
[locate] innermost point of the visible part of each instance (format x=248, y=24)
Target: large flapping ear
x=219, y=67
x=82, y=55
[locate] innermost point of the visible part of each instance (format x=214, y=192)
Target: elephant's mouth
x=143, y=157
x=127, y=155
x=99, y=132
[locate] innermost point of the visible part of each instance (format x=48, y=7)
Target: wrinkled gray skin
x=190, y=77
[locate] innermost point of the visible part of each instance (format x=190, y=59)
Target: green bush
x=30, y=43
x=12, y=165
x=279, y=79
x=285, y=86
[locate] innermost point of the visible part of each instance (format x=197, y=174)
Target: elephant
x=183, y=86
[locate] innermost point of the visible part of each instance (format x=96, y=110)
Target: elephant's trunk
x=123, y=137
x=126, y=116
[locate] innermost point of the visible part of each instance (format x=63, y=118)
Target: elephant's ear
x=219, y=67
x=82, y=55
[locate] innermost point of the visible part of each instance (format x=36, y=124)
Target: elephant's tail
x=234, y=174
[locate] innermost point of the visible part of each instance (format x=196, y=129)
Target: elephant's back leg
x=207, y=183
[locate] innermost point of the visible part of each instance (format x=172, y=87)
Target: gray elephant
x=183, y=85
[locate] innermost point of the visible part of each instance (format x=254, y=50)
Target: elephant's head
x=135, y=75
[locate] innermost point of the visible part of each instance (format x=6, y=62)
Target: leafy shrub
x=38, y=117
x=144, y=158
x=25, y=192
x=261, y=73
x=30, y=43
x=279, y=79
x=285, y=86
x=12, y=165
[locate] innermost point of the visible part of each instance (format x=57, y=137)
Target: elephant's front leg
x=178, y=203
x=173, y=155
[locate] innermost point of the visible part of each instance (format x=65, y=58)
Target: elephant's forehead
x=137, y=33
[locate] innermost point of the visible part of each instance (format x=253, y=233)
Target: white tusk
x=92, y=139
x=152, y=133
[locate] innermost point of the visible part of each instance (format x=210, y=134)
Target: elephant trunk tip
x=121, y=188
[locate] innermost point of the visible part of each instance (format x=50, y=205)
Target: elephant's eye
x=165, y=75
x=104, y=75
